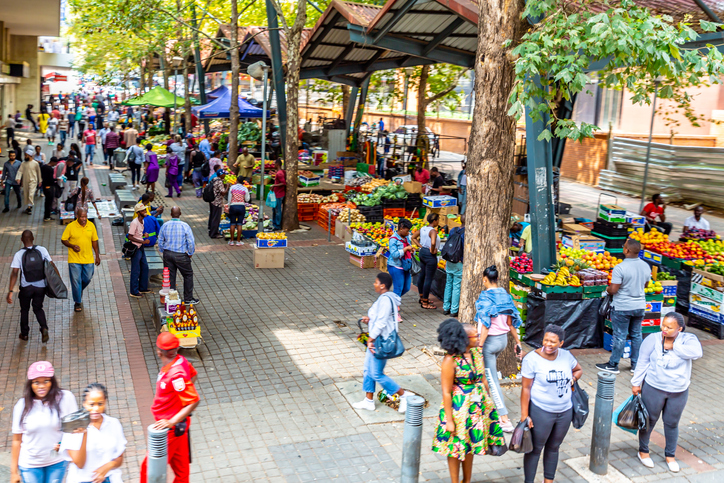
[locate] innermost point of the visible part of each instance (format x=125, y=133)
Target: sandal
x=427, y=305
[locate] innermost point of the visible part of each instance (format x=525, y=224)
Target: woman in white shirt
x=548, y=375
x=427, y=239
x=662, y=377
x=36, y=427
x=96, y=453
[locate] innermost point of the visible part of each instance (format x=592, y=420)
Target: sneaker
x=608, y=368
x=507, y=426
x=192, y=301
x=367, y=404
x=239, y=243
x=46, y=337
x=403, y=401
x=633, y=370
x=231, y=243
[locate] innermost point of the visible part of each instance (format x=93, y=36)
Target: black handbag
x=522, y=441
x=143, y=179
x=579, y=399
x=497, y=450
x=415, y=266
x=54, y=286
x=129, y=249
x=391, y=346
x=604, y=310
x=71, y=202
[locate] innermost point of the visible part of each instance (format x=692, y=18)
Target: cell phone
x=518, y=349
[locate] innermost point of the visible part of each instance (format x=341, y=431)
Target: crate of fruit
x=271, y=240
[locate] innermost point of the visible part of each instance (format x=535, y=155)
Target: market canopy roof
x=158, y=96
x=219, y=91
x=219, y=108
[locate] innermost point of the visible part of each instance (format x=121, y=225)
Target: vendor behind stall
x=654, y=213
x=437, y=182
x=521, y=234
x=697, y=221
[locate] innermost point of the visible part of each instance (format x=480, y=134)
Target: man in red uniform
x=175, y=400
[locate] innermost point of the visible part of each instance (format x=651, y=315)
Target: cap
x=514, y=218
x=40, y=369
x=167, y=341
x=139, y=207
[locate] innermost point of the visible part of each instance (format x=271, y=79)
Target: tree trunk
x=187, y=90
x=345, y=100
x=166, y=68
x=142, y=71
x=234, y=107
x=490, y=165
x=291, y=150
x=150, y=71
x=422, y=98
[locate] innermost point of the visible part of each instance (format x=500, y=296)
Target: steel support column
x=350, y=108
x=540, y=189
x=277, y=69
x=360, y=112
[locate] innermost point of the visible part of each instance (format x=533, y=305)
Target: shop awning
x=219, y=108
x=55, y=77
x=219, y=91
x=159, y=97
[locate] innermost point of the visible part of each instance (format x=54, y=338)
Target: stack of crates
x=519, y=293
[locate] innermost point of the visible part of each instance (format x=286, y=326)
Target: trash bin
x=119, y=157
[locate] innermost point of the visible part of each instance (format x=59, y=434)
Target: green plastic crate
x=673, y=263
x=557, y=288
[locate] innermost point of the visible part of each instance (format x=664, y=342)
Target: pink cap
x=40, y=369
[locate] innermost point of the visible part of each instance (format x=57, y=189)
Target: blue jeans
x=180, y=179
x=626, y=322
x=12, y=187
x=462, y=198
x=90, y=150
x=278, y=213
x=46, y=474
x=63, y=135
x=374, y=373
x=451, y=301
x=198, y=181
x=139, y=272
x=80, y=276
x=401, y=280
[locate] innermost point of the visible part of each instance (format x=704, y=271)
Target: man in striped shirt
x=177, y=245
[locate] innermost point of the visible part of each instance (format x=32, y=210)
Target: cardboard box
x=402, y=179
x=363, y=262
x=698, y=290
x=269, y=258
x=412, y=186
x=360, y=251
x=382, y=264
x=449, y=210
x=584, y=242
x=576, y=228
x=266, y=244
x=452, y=222
x=612, y=210
x=342, y=231
x=439, y=201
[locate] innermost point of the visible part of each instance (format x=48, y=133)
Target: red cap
x=167, y=341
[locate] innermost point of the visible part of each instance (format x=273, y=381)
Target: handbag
x=415, y=266
x=54, y=286
x=391, y=346
x=71, y=202
x=271, y=200
x=406, y=262
x=497, y=450
x=129, y=249
x=143, y=179
x=604, y=310
x=522, y=441
x=579, y=399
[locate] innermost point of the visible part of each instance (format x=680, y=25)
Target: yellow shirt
x=527, y=236
x=83, y=236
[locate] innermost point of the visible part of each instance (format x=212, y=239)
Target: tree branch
x=446, y=91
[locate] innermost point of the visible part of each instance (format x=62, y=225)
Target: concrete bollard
x=602, y=414
x=157, y=455
x=411, y=440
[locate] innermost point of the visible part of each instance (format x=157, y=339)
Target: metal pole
x=329, y=226
x=648, y=148
x=157, y=454
x=411, y=440
x=601, y=437
x=175, y=108
x=407, y=77
x=260, y=221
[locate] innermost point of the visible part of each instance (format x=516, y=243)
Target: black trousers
x=181, y=262
x=35, y=296
x=214, y=220
x=428, y=263
x=49, y=192
x=11, y=135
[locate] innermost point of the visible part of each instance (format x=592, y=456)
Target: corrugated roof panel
x=467, y=44
x=337, y=36
x=327, y=52
x=363, y=14
x=360, y=55
x=313, y=63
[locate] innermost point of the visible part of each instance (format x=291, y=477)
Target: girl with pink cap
x=36, y=427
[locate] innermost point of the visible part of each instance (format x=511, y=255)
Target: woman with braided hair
x=96, y=452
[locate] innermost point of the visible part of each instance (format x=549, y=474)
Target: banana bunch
x=550, y=279
x=562, y=277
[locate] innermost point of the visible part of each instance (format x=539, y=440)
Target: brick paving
x=276, y=344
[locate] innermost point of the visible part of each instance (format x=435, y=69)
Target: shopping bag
x=632, y=415
x=415, y=266
x=497, y=450
x=604, y=309
x=54, y=286
x=522, y=441
x=271, y=200
x=579, y=398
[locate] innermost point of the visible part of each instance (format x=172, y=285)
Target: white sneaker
x=367, y=404
x=647, y=462
x=239, y=243
x=673, y=466
x=403, y=401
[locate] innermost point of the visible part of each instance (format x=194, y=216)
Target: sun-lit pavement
x=279, y=363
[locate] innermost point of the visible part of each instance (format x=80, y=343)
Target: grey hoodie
x=383, y=315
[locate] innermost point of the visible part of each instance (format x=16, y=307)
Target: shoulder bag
x=54, y=286
x=579, y=398
x=391, y=346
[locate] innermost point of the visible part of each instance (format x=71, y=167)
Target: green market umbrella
x=159, y=97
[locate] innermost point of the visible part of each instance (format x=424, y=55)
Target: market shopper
x=545, y=401
x=245, y=164
x=655, y=216
x=47, y=173
x=697, y=221
x=280, y=191
x=628, y=281
x=426, y=238
x=152, y=169
x=177, y=245
x=29, y=264
x=139, y=265
x=205, y=147
x=382, y=321
x=29, y=117
x=175, y=400
x=238, y=196
x=172, y=170
x=520, y=233
x=73, y=167
x=129, y=137
x=473, y=411
x=462, y=189
x=113, y=142
x=10, y=171
x=81, y=238
x=197, y=160
x=96, y=452
x=400, y=261
x=216, y=207
x=63, y=129
x=30, y=180
x=89, y=138
x=215, y=161
x=421, y=175
x=496, y=316
x=454, y=271
x=179, y=149
x=662, y=378
x=36, y=427
x=10, y=129
x=84, y=196
x=39, y=155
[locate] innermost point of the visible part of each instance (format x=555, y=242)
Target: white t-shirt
x=18, y=263
x=41, y=431
x=102, y=446
x=551, y=389
x=702, y=224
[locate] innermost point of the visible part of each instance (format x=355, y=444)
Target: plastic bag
x=54, y=286
x=271, y=200
x=606, y=304
x=632, y=415
x=579, y=398
x=522, y=441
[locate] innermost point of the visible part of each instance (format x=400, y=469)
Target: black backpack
x=453, y=250
x=205, y=170
x=208, y=193
x=33, y=265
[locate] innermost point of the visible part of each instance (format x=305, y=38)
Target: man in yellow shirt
x=245, y=163
x=82, y=240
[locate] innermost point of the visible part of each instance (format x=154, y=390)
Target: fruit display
x=378, y=232
x=354, y=182
x=601, y=261
x=354, y=215
x=272, y=236
x=712, y=247
x=697, y=234
x=522, y=263
x=309, y=198
x=370, y=185
x=662, y=276
x=591, y=276
x=333, y=198
x=561, y=277
x=249, y=131
x=363, y=199
x=653, y=287
x=690, y=250
x=308, y=174
x=268, y=166
x=652, y=238
x=716, y=268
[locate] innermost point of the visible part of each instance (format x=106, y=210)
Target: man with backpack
x=452, y=253
x=30, y=264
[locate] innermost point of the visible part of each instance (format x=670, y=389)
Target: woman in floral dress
x=468, y=419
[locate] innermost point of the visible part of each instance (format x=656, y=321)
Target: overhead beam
x=373, y=59
x=343, y=79
x=248, y=48
x=439, y=38
x=350, y=108
x=323, y=33
x=396, y=17
x=709, y=13
x=358, y=68
x=340, y=57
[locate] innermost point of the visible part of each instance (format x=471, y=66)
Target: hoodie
x=383, y=315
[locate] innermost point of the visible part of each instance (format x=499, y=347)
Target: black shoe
x=178, y=195
x=46, y=337
x=78, y=307
x=23, y=337
x=192, y=301
x=446, y=312
x=608, y=368
x=455, y=315
x=145, y=291
x=6, y=209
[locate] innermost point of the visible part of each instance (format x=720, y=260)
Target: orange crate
x=394, y=212
x=307, y=208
